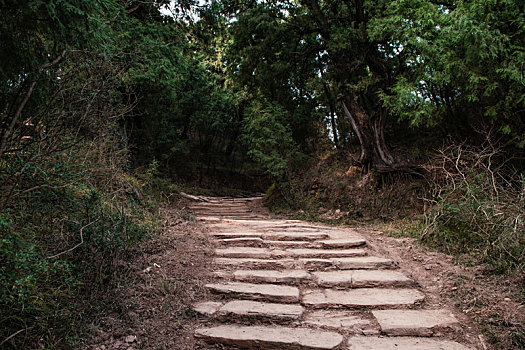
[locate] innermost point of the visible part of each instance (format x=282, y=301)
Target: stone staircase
x=288, y=284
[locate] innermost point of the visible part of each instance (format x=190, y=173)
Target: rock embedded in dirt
x=271, y=337
x=413, y=322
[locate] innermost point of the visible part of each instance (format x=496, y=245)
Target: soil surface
x=226, y=274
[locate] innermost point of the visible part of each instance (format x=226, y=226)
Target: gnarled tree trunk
x=370, y=132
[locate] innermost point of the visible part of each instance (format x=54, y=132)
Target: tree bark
x=369, y=129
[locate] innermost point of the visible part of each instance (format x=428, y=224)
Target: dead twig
x=76, y=246
x=14, y=335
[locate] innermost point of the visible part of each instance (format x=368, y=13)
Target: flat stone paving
x=337, y=319
x=256, y=263
x=360, y=278
x=414, y=322
x=402, y=343
x=271, y=337
x=247, y=308
x=323, y=283
x=325, y=253
x=362, y=297
x=269, y=292
x=272, y=276
x=364, y=262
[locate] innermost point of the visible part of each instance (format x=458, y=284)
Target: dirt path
x=288, y=284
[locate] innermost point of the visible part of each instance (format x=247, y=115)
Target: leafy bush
x=270, y=139
x=478, y=208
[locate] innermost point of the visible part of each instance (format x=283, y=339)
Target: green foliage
x=455, y=65
x=269, y=139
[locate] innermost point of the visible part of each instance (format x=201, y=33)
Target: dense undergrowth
x=61, y=247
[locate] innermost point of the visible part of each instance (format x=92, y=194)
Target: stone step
x=310, y=264
x=343, y=243
x=365, y=262
x=295, y=236
x=325, y=253
x=361, y=297
x=240, y=309
x=421, y=323
x=256, y=263
x=313, y=264
x=268, y=253
x=243, y=241
x=250, y=252
x=272, y=276
x=337, y=319
x=288, y=244
x=362, y=278
x=264, y=292
x=207, y=308
x=233, y=235
x=402, y=343
x=270, y=337
x=272, y=236
x=259, y=242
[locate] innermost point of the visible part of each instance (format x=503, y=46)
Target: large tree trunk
x=370, y=132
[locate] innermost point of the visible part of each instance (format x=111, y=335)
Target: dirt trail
x=289, y=284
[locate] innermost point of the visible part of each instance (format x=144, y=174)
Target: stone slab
x=311, y=264
x=272, y=276
x=246, y=308
x=207, y=308
x=379, y=278
x=288, y=244
x=271, y=337
x=361, y=297
x=413, y=322
x=294, y=236
x=325, y=253
x=364, y=262
x=249, y=252
x=402, y=343
x=343, y=243
x=267, y=292
x=256, y=263
x=243, y=241
x=231, y=235
x=333, y=278
x=336, y=319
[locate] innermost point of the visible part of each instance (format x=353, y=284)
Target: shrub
x=478, y=208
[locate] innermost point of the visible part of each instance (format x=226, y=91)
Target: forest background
x=409, y=112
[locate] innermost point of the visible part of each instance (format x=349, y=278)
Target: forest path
x=290, y=284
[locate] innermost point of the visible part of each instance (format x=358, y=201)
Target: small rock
x=131, y=339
